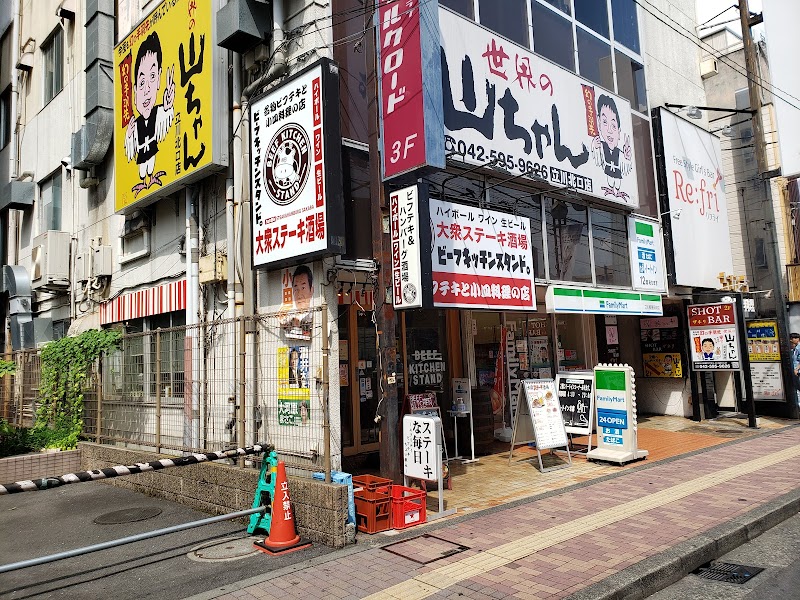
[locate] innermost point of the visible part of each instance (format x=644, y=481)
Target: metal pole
x=745, y=358
x=99, y=418
x=128, y=540
x=158, y=390
x=242, y=385
x=326, y=420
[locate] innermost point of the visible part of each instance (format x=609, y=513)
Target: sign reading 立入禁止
x=647, y=255
x=170, y=80
x=296, y=175
x=481, y=258
x=713, y=337
x=691, y=162
x=504, y=103
x=411, y=271
x=409, y=88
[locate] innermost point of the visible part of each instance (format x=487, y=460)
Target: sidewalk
x=555, y=544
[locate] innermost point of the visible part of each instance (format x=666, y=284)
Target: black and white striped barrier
x=47, y=483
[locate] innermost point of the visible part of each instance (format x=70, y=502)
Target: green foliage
x=7, y=367
x=65, y=370
x=13, y=440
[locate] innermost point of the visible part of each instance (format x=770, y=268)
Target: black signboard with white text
x=576, y=393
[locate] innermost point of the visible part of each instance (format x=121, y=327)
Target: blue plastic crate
x=344, y=479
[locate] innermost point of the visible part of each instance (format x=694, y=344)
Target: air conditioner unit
x=101, y=262
x=83, y=266
x=708, y=67
x=50, y=258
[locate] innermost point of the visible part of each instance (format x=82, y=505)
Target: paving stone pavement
x=552, y=546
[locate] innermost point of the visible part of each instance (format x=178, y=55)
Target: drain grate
x=728, y=572
x=128, y=515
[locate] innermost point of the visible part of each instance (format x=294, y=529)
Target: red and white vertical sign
x=401, y=86
x=405, y=237
x=714, y=337
x=481, y=258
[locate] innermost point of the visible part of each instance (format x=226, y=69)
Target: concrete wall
x=320, y=508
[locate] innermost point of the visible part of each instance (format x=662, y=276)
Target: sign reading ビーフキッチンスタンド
x=296, y=169
x=167, y=99
x=504, y=103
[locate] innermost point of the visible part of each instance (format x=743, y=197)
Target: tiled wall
x=39, y=465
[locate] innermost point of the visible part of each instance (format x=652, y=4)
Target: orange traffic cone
x=283, y=536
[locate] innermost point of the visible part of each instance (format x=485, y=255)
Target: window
x=552, y=36
x=5, y=117
x=610, y=241
x=50, y=202
x=562, y=5
x=643, y=154
x=626, y=24
x=568, y=241
x=593, y=14
x=358, y=212
x=463, y=7
x=510, y=22
x=53, y=62
x=517, y=202
x=172, y=349
x=630, y=82
x=594, y=58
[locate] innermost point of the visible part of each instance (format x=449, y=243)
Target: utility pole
x=753, y=85
x=384, y=311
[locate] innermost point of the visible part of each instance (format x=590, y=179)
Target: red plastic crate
x=372, y=487
x=408, y=507
x=373, y=514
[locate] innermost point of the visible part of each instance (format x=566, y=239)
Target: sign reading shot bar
x=713, y=337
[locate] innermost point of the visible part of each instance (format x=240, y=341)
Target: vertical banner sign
x=405, y=207
x=713, y=337
x=690, y=162
x=647, y=255
x=170, y=77
x=409, y=86
x=295, y=153
x=763, y=347
x=481, y=258
x=504, y=103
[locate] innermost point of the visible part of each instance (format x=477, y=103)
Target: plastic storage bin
x=344, y=479
x=371, y=486
x=374, y=515
x=408, y=507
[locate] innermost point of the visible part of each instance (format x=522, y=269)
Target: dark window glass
x=426, y=353
x=552, y=36
x=562, y=5
x=455, y=188
x=626, y=24
x=465, y=7
x=511, y=21
x=593, y=14
x=630, y=82
x=358, y=212
x=517, y=202
x=643, y=152
x=53, y=63
x=610, y=239
x=5, y=117
x=50, y=198
x=594, y=58
x=568, y=241
x=348, y=21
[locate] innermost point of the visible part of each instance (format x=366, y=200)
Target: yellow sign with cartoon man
x=163, y=101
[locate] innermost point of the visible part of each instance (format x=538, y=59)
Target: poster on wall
x=762, y=341
x=296, y=315
x=170, y=81
x=661, y=345
x=481, y=258
x=695, y=201
x=294, y=395
x=505, y=104
x=713, y=337
x=767, y=381
x=296, y=169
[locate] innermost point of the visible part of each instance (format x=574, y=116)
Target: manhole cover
x=728, y=572
x=226, y=549
x=425, y=549
x=128, y=515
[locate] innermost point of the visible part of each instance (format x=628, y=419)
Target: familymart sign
x=573, y=299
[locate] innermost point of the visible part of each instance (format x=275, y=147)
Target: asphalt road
x=35, y=524
x=777, y=551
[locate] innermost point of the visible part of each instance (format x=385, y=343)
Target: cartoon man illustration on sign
x=616, y=162
x=708, y=349
x=154, y=121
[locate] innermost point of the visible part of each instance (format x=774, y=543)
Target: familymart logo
x=613, y=304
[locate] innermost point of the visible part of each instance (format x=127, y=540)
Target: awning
x=601, y=301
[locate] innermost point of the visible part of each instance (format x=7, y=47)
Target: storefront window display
x=426, y=353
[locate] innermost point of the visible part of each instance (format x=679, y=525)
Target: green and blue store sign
x=574, y=299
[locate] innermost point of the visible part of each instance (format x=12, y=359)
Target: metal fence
x=212, y=386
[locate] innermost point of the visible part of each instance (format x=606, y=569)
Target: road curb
x=665, y=568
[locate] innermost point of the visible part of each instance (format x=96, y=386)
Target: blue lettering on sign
x=607, y=417
x=612, y=439
x=647, y=254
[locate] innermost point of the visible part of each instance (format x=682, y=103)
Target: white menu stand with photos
x=539, y=420
x=462, y=408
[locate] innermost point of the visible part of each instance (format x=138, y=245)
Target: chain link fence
x=212, y=386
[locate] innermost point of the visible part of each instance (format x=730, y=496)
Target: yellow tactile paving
x=433, y=581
